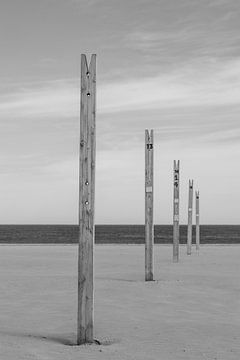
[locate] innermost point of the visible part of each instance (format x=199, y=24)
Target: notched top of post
x=149, y=139
x=176, y=165
x=88, y=69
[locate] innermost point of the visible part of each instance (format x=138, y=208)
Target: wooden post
x=197, y=222
x=86, y=200
x=176, y=211
x=149, y=230
x=190, y=208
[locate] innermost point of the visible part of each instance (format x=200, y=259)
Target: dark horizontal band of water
x=114, y=234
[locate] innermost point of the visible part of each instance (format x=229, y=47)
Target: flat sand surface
x=191, y=311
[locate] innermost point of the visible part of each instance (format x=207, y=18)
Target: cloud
x=155, y=40
x=209, y=84
x=187, y=41
x=194, y=85
x=54, y=99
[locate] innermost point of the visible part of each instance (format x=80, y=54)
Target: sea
x=114, y=234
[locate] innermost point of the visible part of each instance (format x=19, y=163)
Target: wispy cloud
x=187, y=41
x=50, y=99
x=213, y=84
x=155, y=40
x=195, y=85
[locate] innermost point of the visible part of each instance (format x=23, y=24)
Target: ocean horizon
x=114, y=234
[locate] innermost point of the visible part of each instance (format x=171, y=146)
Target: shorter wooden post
x=190, y=207
x=149, y=230
x=197, y=222
x=176, y=210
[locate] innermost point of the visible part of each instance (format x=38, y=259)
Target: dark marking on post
x=149, y=146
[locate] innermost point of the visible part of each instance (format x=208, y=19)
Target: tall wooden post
x=149, y=230
x=176, y=210
x=190, y=209
x=86, y=200
x=197, y=222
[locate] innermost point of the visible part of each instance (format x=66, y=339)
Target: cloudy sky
x=170, y=65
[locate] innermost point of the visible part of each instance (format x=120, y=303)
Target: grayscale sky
x=170, y=65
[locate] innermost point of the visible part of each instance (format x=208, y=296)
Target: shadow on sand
x=67, y=339
x=64, y=339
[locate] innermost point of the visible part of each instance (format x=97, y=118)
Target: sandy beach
x=191, y=310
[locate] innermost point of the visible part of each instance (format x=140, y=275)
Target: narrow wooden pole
x=86, y=200
x=149, y=230
x=176, y=210
x=197, y=222
x=190, y=208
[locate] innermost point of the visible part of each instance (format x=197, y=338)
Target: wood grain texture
x=176, y=178
x=149, y=227
x=86, y=200
x=197, y=222
x=190, y=210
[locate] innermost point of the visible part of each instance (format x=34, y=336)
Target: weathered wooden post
x=176, y=210
x=86, y=200
x=190, y=208
x=149, y=229
x=197, y=222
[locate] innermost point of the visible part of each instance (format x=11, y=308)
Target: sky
x=168, y=65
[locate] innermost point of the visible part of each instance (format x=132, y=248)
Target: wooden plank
x=176, y=177
x=86, y=200
x=190, y=209
x=149, y=228
x=197, y=222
